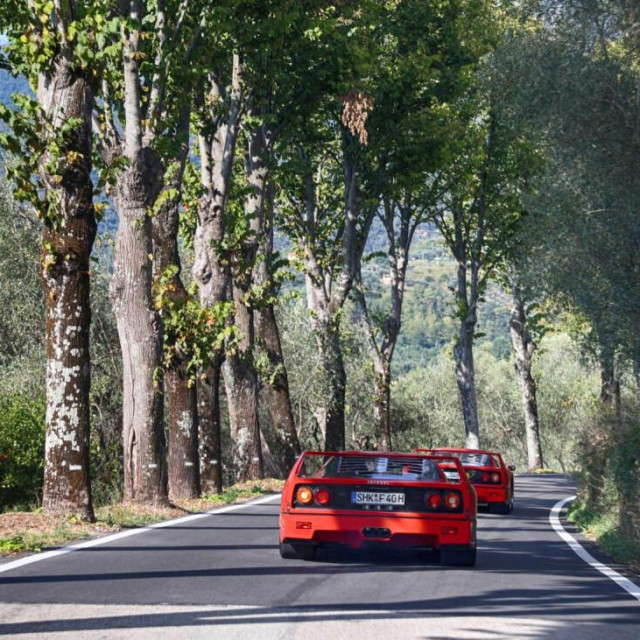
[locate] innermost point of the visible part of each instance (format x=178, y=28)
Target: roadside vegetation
x=364, y=225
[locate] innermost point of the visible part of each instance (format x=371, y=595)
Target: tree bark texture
x=184, y=465
x=609, y=385
x=241, y=383
x=328, y=340
x=523, y=350
x=180, y=391
x=210, y=438
x=276, y=383
x=382, y=408
x=327, y=291
x=211, y=268
x=140, y=331
x=277, y=388
x=465, y=377
x=68, y=235
x=463, y=351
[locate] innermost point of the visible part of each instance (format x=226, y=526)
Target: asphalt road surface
x=220, y=576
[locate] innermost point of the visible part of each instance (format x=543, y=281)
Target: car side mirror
x=512, y=467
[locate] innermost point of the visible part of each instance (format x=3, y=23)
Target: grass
x=604, y=528
x=34, y=531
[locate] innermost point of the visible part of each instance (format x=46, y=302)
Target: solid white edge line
x=96, y=542
x=630, y=587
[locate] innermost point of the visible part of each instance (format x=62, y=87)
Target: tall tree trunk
x=210, y=428
x=211, y=267
x=182, y=424
x=180, y=391
x=465, y=376
x=277, y=388
x=609, y=385
x=139, y=329
x=241, y=382
x=68, y=235
x=328, y=339
x=136, y=190
x=268, y=336
x=382, y=409
x=523, y=349
x=184, y=464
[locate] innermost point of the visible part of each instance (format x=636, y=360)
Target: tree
x=420, y=70
x=50, y=139
x=480, y=212
x=321, y=195
x=524, y=347
x=154, y=40
x=172, y=298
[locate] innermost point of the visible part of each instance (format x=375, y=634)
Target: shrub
x=22, y=434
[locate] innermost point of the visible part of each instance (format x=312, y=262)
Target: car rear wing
x=381, y=467
x=496, y=455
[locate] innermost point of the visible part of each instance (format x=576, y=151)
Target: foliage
x=21, y=449
x=609, y=498
x=192, y=332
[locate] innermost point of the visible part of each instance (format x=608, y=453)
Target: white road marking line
x=630, y=587
x=9, y=566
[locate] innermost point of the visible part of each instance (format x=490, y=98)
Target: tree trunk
x=217, y=143
x=336, y=381
x=180, y=391
x=523, y=349
x=382, y=409
x=465, y=376
x=184, y=465
x=241, y=383
x=609, y=386
x=268, y=335
x=68, y=235
x=277, y=388
x=210, y=428
x=139, y=330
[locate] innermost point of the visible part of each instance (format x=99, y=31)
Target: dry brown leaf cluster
x=355, y=111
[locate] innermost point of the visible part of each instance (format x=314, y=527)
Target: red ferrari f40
x=490, y=476
x=391, y=499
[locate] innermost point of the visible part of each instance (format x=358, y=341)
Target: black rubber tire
x=292, y=551
x=500, y=508
x=457, y=556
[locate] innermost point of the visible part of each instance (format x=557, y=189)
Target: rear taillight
x=433, y=500
x=451, y=500
x=304, y=495
x=322, y=497
x=484, y=477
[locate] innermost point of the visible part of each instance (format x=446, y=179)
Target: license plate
x=370, y=497
x=452, y=475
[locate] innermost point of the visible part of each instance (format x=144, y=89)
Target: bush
x=22, y=434
x=608, y=504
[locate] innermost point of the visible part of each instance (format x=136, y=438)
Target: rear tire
x=500, y=508
x=293, y=551
x=457, y=556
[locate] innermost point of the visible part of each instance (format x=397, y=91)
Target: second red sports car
x=491, y=477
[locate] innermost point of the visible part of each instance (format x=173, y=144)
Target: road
x=220, y=576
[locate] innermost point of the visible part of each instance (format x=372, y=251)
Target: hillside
x=429, y=324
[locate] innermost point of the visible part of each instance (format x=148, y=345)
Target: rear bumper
x=488, y=494
x=356, y=530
